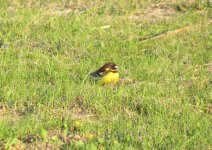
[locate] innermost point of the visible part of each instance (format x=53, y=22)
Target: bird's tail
x=94, y=74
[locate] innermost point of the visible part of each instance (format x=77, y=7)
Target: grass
x=47, y=49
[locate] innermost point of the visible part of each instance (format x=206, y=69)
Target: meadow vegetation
x=164, y=52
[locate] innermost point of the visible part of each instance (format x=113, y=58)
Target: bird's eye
x=116, y=67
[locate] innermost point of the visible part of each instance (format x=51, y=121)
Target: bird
x=107, y=74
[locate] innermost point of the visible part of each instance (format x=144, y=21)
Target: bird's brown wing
x=100, y=72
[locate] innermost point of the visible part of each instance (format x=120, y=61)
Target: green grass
x=47, y=48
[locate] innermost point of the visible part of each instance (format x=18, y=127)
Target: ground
x=164, y=52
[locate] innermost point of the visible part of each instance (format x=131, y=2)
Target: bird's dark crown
x=108, y=67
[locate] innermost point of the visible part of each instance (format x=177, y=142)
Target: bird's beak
x=113, y=70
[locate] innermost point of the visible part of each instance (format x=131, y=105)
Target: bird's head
x=110, y=66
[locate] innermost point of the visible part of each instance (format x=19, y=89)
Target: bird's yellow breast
x=109, y=78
